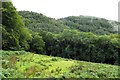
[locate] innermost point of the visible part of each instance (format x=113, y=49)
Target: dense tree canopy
x=38, y=22
x=90, y=24
x=15, y=35
x=82, y=38
x=83, y=46
x=37, y=44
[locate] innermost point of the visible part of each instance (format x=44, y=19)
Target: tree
x=15, y=35
x=37, y=44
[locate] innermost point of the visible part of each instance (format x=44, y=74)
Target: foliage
x=71, y=37
x=37, y=44
x=90, y=24
x=15, y=35
x=83, y=46
x=39, y=23
x=77, y=37
x=30, y=65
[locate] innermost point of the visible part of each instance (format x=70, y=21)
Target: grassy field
x=21, y=64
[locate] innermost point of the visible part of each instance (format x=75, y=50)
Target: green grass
x=21, y=64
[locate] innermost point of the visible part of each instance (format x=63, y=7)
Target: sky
x=107, y=9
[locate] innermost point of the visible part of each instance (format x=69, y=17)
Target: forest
x=89, y=39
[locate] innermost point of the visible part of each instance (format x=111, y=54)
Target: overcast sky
x=62, y=8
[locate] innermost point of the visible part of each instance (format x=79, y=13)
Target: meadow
x=21, y=64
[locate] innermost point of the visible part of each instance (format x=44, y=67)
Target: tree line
x=37, y=33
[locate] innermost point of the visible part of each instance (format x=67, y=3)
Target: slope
x=39, y=22
x=91, y=24
x=21, y=64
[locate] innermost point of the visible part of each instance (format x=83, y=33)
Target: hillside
x=91, y=24
x=38, y=22
x=21, y=64
x=75, y=37
x=36, y=46
x=45, y=35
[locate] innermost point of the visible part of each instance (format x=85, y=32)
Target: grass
x=21, y=64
